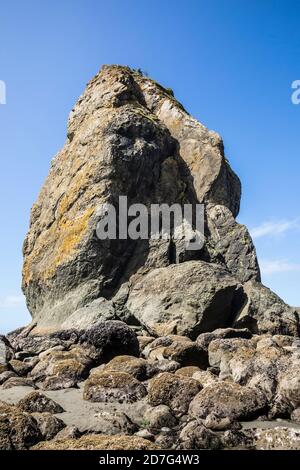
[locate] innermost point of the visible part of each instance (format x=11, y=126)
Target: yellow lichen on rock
x=59, y=242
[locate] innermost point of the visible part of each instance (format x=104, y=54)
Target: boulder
x=35, y=344
x=20, y=367
x=6, y=353
x=18, y=382
x=289, y=383
x=187, y=371
x=188, y=299
x=164, y=365
x=111, y=423
x=62, y=369
x=174, y=391
x=205, y=377
x=226, y=399
x=84, y=317
x=113, y=386
x=145, y=434
x=37, y=402
x=68, y=432
x=109, y=339
x=158, y=417
x=215, y=423
x=6, y=375
x=137, y=367
x=265, y=312
x=18, y=430
x=161, y=342
x=278, y=438
x=204, y=339
x=196, y=436
x=176, y=348
x=48, y=425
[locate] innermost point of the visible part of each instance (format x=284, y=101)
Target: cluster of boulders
x=195, y=394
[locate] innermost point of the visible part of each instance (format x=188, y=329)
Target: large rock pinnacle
x=128, y=136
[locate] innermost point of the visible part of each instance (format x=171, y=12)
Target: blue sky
x=230, y=62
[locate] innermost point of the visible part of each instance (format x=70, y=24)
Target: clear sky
x=230, y=62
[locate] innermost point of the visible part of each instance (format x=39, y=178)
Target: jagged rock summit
x=129, y=136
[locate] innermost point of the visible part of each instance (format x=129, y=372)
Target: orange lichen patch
x=71, y=234
x=78, y=185
x=57, y=245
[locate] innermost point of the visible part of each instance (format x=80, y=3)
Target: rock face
x=128, y=136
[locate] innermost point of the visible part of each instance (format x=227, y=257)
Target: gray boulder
x=6, y=353
x=265, y=312
x=225, y=399
x=186, y=299
x=37, y=402
x=113, y=386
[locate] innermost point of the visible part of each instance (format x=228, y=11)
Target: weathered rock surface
x=176, y=348
x=263, y=362
x=174, y=391
x=37, y=402
x=48, y=424
x=185, y=299
x=159, y=416
x=62, y=369
x=18, y=382
x=84, y=317
x=277, y=439
x=96, y=442
x=228, y=400
x=6, y=375
x=232, y=243
x=5, y=353
x=137, y=367
x=18, y=430
x=126, y=136
x=111, y=423
x=20, y=367
x=109, y=339
x=265, y=312
x=113, y=386
x=205, y=339
x=196, y=436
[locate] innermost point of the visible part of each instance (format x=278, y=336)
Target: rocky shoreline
x=73, y=389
